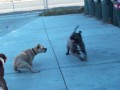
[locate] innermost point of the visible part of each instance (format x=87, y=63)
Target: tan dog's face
x=41, y=49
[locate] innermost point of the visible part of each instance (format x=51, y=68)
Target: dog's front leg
x=3, y=84
x=68, y=49
x=30, y=68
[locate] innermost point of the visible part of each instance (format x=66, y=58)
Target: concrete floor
x=58, y=71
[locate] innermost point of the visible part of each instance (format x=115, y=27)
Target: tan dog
x=24, y=60
x=3, y=85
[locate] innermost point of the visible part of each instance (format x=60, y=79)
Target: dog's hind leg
x=78, y=56
x=83, y=50
x=85, y=54
x=16, y=69
x=26, y=65
x=30, y=68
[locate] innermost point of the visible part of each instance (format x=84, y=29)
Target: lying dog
x=24, y=60
x=3, y=85
x=76, y=45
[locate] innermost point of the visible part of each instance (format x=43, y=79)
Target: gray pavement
x=10, y=23
x=58, y=71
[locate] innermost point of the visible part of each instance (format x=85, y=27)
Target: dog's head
x=40, y=49
x=3, y=57
x=76, y=37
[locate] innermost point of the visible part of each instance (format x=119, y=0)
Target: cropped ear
x=38, y=46
x=80, y=31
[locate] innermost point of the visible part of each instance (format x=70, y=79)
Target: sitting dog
x=3, y=85
x=24, y=60
x=76, y=45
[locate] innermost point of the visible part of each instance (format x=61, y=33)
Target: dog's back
x=23, y=58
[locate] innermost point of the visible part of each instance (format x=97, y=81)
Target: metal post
x=13, y=7
x=45, y=5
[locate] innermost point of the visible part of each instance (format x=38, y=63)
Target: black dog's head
x=3, y=56
x=76, y=37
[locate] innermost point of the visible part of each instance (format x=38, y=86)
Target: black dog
x=3, y=84
x=76, y=45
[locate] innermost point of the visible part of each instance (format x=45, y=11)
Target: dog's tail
x=76, y=28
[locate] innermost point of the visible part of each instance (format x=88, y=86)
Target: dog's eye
x=43, y=48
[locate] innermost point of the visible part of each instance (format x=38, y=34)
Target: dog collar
x=2, y=60
x=34, y=51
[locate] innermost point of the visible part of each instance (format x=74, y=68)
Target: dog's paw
x=18, y=71
x=85, y=59
x=36, y=71
x=82, y=59
x=67, y=53
x=39, y=71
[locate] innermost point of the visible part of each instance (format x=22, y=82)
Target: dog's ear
x=38, y=46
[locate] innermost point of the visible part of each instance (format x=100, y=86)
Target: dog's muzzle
x=45, y=49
